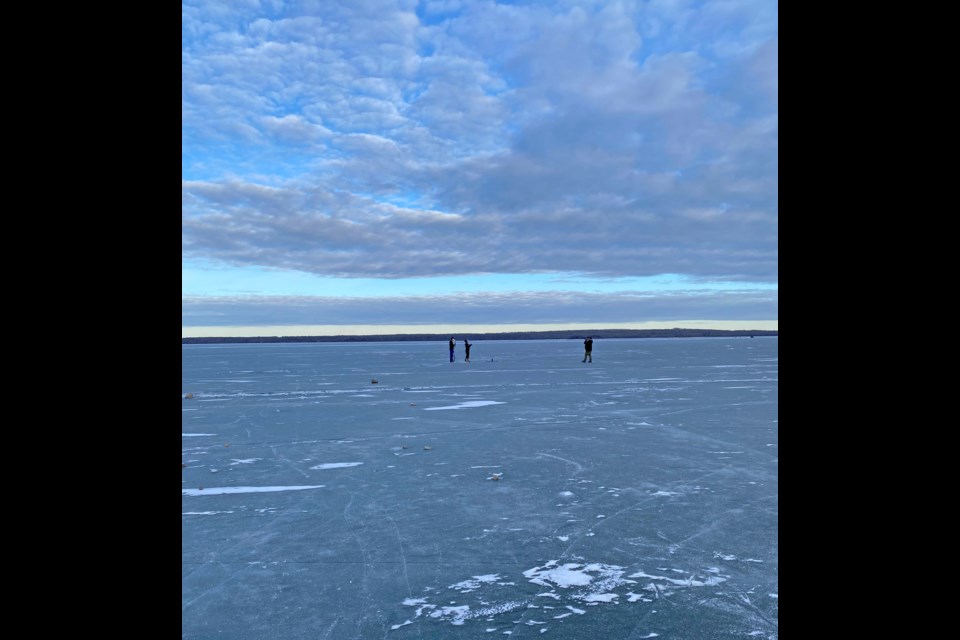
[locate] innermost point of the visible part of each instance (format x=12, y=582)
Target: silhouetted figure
x=452, y=345
x=466, y=346
x=588, y=349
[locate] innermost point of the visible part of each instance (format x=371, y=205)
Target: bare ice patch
x=214, y=491
x=465, y=405
x=336, y=465
x=244, y=461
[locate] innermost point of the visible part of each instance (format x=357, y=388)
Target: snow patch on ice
x=213, y=491
x=456, y=615
x=336, y=465
x=474, y=583
x=565, y=576
x=636, y=597
x=600, y=597
x=689, y=582
x=503, y=607
x=465, y=405
x=588, y=584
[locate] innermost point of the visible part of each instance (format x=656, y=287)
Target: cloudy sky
x=371, y=166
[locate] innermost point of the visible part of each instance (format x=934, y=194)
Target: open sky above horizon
x=395, y=166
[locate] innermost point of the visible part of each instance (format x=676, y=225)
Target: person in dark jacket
x=587, y=349
x=452, y=344
x=466, y=346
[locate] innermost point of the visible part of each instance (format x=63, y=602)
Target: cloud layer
x=395, y=139
x=490, y=308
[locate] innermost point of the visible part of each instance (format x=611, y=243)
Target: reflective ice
x=523, y=494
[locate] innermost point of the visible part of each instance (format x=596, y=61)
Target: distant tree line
x=597, y=334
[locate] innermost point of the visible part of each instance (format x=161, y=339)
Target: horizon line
x=328, y=331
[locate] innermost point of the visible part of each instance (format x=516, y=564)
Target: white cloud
x=480, y=308
x=357, y=138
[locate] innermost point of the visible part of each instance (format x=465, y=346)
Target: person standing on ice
x=452, y=344
x=466, y=347
x=587, y=349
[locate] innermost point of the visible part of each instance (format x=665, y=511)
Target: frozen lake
x=637, y=496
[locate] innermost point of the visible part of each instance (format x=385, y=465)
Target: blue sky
x=418, y=166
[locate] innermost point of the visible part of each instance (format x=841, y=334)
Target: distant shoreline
x=510, y=335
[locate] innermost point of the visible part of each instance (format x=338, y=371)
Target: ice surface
x=674, y=441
